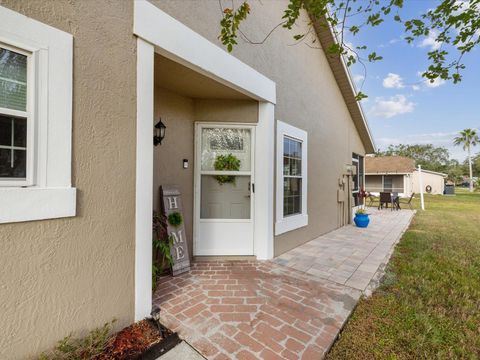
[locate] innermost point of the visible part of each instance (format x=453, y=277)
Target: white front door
x=224, y=189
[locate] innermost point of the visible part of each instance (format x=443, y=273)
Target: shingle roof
x=389, y=165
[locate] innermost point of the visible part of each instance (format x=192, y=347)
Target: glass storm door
x=224, y=190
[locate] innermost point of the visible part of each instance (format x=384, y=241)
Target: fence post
x=420, y=182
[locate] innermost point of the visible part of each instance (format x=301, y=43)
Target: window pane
x=225, y=197
x=292, y=152
x=286, y=165
x=286, y=146
x=292, y=194
x=296, y=167
x=13, y=80
x=224, y=142
x=20, y=132
x=5, y=130
x=16, y=168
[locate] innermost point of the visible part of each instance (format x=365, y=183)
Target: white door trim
x=199, y=125
x=159, y=32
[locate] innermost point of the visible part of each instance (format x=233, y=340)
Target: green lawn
x=429, y=304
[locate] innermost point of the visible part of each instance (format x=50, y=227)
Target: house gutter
x=345, y=82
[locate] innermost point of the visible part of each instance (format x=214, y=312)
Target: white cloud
x=393, y=81
x=358, y=79
x=436, y=83
x=350, y=49
x=415, y=87
x=428, y=84
x=430, y=41
x=393, y=106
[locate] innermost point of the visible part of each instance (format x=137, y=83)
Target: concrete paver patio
x=290, y=308
x=350, y=255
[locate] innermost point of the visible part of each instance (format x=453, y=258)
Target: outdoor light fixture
x=159, y=132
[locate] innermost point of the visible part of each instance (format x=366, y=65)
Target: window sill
x=291, y=223
x=28, y=204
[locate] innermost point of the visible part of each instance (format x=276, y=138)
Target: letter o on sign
x=428, y=189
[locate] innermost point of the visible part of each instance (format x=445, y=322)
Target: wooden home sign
x=172, y=202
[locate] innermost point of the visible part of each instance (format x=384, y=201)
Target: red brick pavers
x=254, y=310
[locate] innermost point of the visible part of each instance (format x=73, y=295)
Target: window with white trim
x=36, y=73
x=291, y=191
x=15, y=117
x=358, y=178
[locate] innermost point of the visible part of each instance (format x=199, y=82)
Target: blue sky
x=401, y=108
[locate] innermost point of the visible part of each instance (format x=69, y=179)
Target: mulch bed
x=132, y=341
x=139, y=341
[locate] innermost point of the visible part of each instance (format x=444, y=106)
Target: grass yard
x=429, y=304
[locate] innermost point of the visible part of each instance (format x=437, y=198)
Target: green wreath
x=226, y=163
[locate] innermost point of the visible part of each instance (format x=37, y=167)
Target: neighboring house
x=399, y=174
x=82, y=85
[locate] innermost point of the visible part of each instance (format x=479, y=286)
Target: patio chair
x=371, y=199
x=408, y=201
x=385, y=199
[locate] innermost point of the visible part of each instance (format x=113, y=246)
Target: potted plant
x=361, y=218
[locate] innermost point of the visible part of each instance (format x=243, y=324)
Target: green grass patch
x=428, y=306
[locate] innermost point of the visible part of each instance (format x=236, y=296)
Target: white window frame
x=46, y=193
x=283, y=223
x=357, y=168
x=29, y=114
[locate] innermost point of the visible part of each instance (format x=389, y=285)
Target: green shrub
x=87, y=347
x=175, y=219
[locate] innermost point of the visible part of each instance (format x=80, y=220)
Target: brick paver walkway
x=289, y=308
x=254, y=310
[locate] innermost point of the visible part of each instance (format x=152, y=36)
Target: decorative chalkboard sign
x=172, y=209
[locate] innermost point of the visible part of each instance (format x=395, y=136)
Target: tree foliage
x=455, y=25
x=467, y=138
x=428, y=156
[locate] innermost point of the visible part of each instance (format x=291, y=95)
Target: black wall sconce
x=159, y=132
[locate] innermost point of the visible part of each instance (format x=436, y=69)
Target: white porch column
x=144, y=180
x=264, y=181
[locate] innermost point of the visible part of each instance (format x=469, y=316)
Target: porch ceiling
x=184, y=81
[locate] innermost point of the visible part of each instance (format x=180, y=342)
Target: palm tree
x=468, y=138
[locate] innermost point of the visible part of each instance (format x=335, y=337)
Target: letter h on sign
x=172, y=203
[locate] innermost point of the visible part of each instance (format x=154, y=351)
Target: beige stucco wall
x=437, y=182
x=71, y=275
x=307, y=97
x=179, y=114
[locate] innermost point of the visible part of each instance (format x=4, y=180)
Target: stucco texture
x=71, y=275
x=308, y=97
